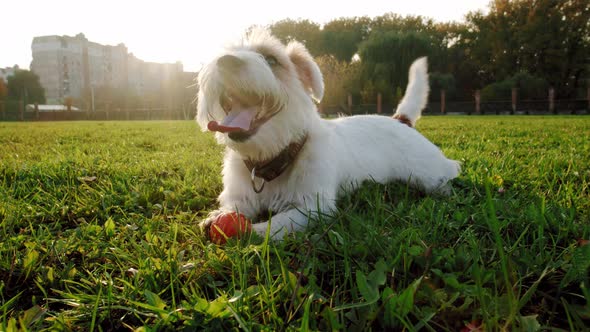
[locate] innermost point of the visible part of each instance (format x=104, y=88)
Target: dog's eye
x=271, y=60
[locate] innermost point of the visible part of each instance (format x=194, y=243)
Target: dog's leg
x=292, y=220
x=434, y=176
x=236, y=195
x=296, y=218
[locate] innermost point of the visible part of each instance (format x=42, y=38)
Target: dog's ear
x=308, y=71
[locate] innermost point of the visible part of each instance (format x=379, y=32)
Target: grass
x=99, y=231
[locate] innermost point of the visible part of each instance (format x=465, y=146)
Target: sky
x=180, y=30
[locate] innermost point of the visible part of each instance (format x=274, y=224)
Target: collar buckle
x=252, y=176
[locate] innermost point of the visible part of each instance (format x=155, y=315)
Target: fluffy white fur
x=338, y=154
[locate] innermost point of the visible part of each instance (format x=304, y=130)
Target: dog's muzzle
x=245, y=110
x=242, y=115
x=240, y=119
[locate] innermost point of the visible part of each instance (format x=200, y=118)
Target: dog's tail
x=416, y=96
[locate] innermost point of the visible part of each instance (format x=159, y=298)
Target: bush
x=497, y=91
x=340, y=78
x=529, y=87
x=440, y=81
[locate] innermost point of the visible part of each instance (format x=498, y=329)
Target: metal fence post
x=442, y=101
x=349, y=99
x=21, y=110
x=477, y=102
x=514, y=96
x=552, y=100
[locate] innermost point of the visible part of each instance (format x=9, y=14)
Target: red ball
x=229, y=225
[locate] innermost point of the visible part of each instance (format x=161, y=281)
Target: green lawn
x=99, y=231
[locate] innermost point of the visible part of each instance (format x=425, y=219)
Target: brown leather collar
x=271, y=169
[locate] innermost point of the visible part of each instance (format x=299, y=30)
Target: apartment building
x=74, y=67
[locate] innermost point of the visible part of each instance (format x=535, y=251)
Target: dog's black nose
x=230, y=62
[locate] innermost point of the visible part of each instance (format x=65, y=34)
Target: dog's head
x=258, y=95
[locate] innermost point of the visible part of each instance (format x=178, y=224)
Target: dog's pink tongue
x=236, y=120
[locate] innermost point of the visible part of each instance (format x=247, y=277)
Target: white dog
x=281, y=156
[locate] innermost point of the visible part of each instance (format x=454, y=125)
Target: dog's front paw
x=206, y=224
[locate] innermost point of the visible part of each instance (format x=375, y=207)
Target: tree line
x=528, y=44
x=23, y=85
x=177, y=92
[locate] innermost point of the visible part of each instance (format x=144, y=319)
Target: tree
x=24, y=85
x=438, y=82
x=454, y=56
x=340, y=78
x=304, y=31
x=529, y=87
x=395, y=22
x=386, y=58
x=549, y=39
x=341, y=37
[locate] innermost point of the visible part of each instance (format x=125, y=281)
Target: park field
x=99, y=232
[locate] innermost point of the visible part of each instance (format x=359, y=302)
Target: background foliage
x=25, y=85
x=529, y=44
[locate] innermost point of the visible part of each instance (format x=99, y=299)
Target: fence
x=16, y=111
x=579, y=106
x=475, y=106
